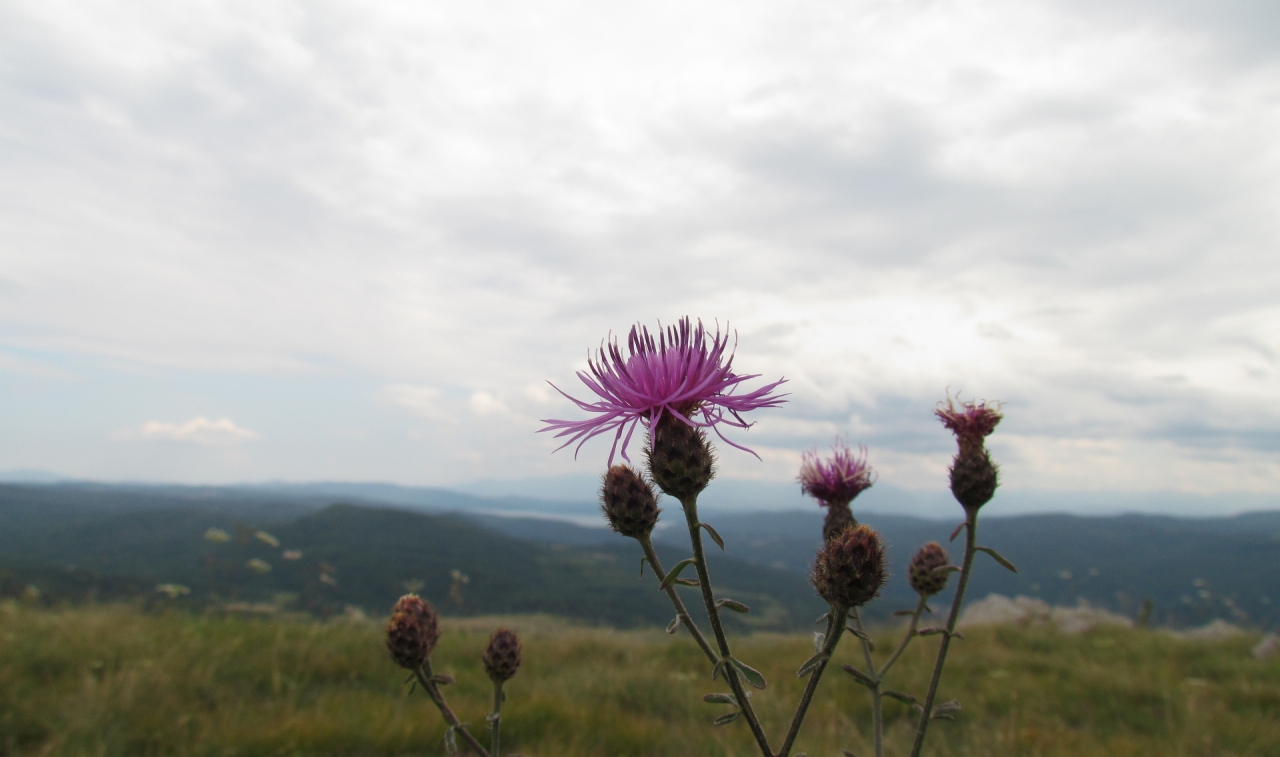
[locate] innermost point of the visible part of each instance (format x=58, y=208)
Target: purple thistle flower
x=684, y=373
x=837, y=479
x=972, y=421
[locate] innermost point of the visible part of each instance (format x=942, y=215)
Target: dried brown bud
x=502, y=656
x=628, y=502
x=920, y=572
x=680, y=460
x=839, y=517
x=974, y=477
x=850, y=567
x=412, y=632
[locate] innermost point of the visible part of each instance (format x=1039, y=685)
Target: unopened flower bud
x=412, y=632
x=628, y=502
x=850, y=570
x=502, y=656
x=920, y=571
x=839, y=517
x=680, y=460
x=974, y=477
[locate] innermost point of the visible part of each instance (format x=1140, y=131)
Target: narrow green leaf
x=450, y=741
x=822, y=617
x=714, y=536
x=675, y=572
x=819, y=639
x=442, y=679
x=905, y=612
x=871, y=645
x=898, y=695
x=719, y=668
x=1008, y=565
x=753, y=676
x=811, y=664
x=643, y=560
x=720, y=699
x=730, y=604
x=673, y=625
x=943, y=570
x=728, y=718
x=687, y=581
x=956, y=532
x=859, y=676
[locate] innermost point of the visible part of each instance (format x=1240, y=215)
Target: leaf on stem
x=673, y=625
x=944, y=711
x=687, y=581
x=442, y=679
x=871, y=645
x=714, y=536
x=491, y=717
x=822, y=617
x=730, y=604
x=859, y=676
x=643, y=560
x=728, y=718
x=905, y=612
x=812, y=664
x=1008, y=565
x=675, y=572
x=935, y=630
x=819, y=639
x=956, y=532
x=898, y=695
x=719, y=668
x=753, y=676
x=720, y=699
x=450, y=741
x=943, y=570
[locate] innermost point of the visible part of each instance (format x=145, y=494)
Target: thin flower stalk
x=877, y=699
x=690, y=506
x=906, y=639
x=426, y=678
x=970, y=549
x=649, y=554
x=495, y=722
x=836, y=620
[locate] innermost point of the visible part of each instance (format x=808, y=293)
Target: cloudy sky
x=243, y=241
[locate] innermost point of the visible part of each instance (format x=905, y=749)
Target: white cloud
x=1065, y=204
x=199, y=430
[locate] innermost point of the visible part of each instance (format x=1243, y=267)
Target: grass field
x=109, y=680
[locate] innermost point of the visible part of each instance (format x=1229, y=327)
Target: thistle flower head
x=835, y=480
x=684, y=372
x=921, y=571
x=412, y=632
x=971, y=422
x=628, y=502
x=849, y=570
x=502, y=656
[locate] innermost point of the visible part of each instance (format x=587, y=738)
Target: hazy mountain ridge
x=138, y=535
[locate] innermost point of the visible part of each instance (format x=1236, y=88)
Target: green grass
x=109, y=680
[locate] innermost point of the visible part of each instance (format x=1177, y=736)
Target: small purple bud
x=412, y=632
x=849, y=570
x=920, y=571
x=628, y=502
x=502, y=656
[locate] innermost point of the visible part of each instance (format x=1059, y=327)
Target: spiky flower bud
x=850, y=569
x=839, y=517
x=680, y=459
x=974, y=477
x=628, y=502
x=412, y=632
x=920, y=571
x=502, y=656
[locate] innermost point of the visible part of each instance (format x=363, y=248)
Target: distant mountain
x=136, y=536
x=301, y=556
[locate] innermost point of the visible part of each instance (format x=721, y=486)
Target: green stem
x=911, y=634
x=425, y=674
x=970, y=547
x=647, y=545
x=690, y=505
x=835, y=629
x=877, y=712
x=495, y=748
